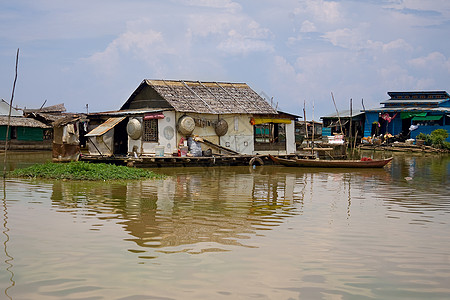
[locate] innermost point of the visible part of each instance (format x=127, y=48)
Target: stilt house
x=24, y=133
x=163, y=116
x=410, y=113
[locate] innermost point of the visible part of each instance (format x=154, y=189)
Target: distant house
x=308, y=129
x=24, y=133
x=163, y=115
x=346, y=122
x=425, y=110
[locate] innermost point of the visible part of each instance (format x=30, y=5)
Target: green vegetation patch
x=83, y=171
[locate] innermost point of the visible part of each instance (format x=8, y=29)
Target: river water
x=268, y=232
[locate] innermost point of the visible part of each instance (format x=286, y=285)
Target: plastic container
x=159, y=151
x=183, y=151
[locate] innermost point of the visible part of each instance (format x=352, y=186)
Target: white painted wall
x=290, y=138
x=166, y=136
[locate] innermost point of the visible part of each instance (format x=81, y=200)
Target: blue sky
x=97, y=52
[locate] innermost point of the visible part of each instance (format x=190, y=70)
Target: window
x=263, y=133
x=270, y=136
x=150, y=133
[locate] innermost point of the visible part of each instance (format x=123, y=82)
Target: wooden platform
x=177, y=161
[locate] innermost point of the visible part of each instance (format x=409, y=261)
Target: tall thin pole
x=337, y=112
x=312, y=135
x=304, y=118
x=351, y=119
x=9, y=116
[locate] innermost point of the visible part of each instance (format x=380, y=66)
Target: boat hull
x=324, y=163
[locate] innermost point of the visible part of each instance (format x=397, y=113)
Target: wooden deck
x=177, y=161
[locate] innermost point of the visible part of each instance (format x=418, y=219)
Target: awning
x=427, y=118
x=271, y=120
x=105, y=127
x=157, y=115
x=407, y=115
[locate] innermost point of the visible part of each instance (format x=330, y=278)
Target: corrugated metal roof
x=344, y=114
x=410, y=101
x=410, y=109
x=127, y=112
x=4, y=110
x=419, y=94
x=105, y=127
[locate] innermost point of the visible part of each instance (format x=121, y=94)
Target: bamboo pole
x=312, y=135
x=304, y=119
x=351, y=119
x=9, y=116
x=337, y=112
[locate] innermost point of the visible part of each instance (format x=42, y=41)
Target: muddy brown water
x=267, y=232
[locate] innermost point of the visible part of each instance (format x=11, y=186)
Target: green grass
x=83, y=171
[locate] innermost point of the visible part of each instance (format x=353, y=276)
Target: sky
x=299, y=54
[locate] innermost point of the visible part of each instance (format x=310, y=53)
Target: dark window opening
x=270, y=136
x=150, y=132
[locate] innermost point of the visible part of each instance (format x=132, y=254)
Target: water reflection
x=420, y=187
x=198, y=210
x=217, y=205
x=8, y=258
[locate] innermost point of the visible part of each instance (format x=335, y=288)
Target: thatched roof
x=58, y=108
x=205, y=97
x=22, y=122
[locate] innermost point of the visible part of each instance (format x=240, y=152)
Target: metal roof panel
x=105, y=127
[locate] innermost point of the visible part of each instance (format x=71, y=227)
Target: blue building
x=426, y=111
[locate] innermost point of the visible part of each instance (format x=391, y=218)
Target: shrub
x=421, y=136
x=438, y=137
x=425, y=137
x=446, y=145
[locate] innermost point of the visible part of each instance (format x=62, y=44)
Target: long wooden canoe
x=331, y=163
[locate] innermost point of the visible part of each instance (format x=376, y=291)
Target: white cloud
x=399, y=44
x=227, y=4
x=320, y=10
x=190, y=36
x=346, y=38
x=246, y=39
x=308, y=26
x=236, y=43
x=145, y=45
x=435, y=5
x=433, y=61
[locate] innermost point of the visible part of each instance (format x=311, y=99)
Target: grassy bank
x=82, y=171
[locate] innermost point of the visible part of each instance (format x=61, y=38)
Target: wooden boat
x=332, y=163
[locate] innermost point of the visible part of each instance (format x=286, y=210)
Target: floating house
x=409, y=113
x=166, y=117
x=24, y=133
